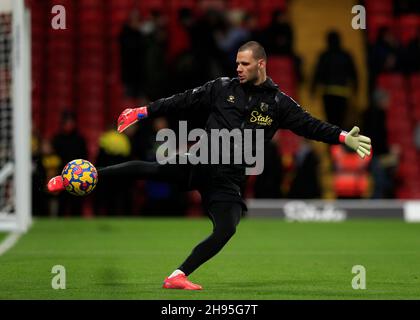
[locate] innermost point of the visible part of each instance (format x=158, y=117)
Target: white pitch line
x=9, y=242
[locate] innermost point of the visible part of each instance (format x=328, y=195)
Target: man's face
x=248, y=68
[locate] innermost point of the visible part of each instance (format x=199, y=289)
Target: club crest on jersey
x=231, y=99
x=264, y=107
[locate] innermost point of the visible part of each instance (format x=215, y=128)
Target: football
x=79, y=177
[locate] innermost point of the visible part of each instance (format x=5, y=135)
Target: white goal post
x=15, y=117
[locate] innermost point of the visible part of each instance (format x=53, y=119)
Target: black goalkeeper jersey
x=231, y=105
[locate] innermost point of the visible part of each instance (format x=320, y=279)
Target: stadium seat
x=122, y=4
x=175, y=5
x=282, y=72
x=414, y=81
x=147, y=7
x=97, y=45
x=265, y=10
x=350, y=185
x=205, y=5
x=394, y=81
x=379, y=7
x=288, y=142
x=247, y=5
x=91, y=4
x=92, y=17
x=280, y=65
x=350, y=179
x=415, y=100
x=375, y=22
x=407, y=27
x=194, y=204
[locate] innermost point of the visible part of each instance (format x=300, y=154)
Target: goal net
x=15, y=117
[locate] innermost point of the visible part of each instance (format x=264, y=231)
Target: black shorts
x=216, y=183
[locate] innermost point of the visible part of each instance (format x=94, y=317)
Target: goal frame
x=21, y=217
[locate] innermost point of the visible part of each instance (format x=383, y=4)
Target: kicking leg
x=173, y=173
x=145, y=170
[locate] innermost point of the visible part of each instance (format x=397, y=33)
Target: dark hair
x=333, y=39
x=257, y=49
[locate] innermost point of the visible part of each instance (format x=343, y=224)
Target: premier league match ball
x=79, y=177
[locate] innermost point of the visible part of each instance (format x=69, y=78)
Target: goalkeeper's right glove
x=360, y=144
x=129, y=117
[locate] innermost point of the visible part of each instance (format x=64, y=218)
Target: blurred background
x=116, y=54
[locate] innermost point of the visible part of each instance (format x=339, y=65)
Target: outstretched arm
x=200, y=97
x=293, y=117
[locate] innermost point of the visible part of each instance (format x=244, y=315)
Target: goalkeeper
x=250, y=101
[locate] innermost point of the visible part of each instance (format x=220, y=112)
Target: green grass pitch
x=128, y=258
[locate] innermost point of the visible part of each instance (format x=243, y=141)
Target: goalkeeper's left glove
x=353, y=140
x=129, y=117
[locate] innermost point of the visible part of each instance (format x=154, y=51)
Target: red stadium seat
x=381, y=7
x=247, y=5
x=92, y=16
x=146, y=7
x=414, y=81
x=394, y=81
x=122, y=4
x=408, y=26
x=280, y=64
x=288, y=142
x=350, y=185
x=95, y=47
x=68, y=4
x=91, y=4
x=375, y=22
x=346, y=161
x=266, y=8
x=281, y=70
x=351, y=175
x=175, y=5
x=92, y=31
x=415, y=100
x=205, y=5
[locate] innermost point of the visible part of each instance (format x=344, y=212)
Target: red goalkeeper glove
x=129, y=117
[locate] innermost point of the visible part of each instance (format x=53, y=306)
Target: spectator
x=155, y=40
x=278, y=36
x=132, y=54
x=384, y=55
x=336, y=73
x=278, y=39
x=49, y=164
x=385, y=157
x=113, y=197
x=234, y=36
x=163, y=199
x=69, y=145
x=411, y=55
x=306, y=184
x=406, y=7
x=207, y=58
x=40, y=200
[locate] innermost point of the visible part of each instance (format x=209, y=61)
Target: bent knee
x=226, y=231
